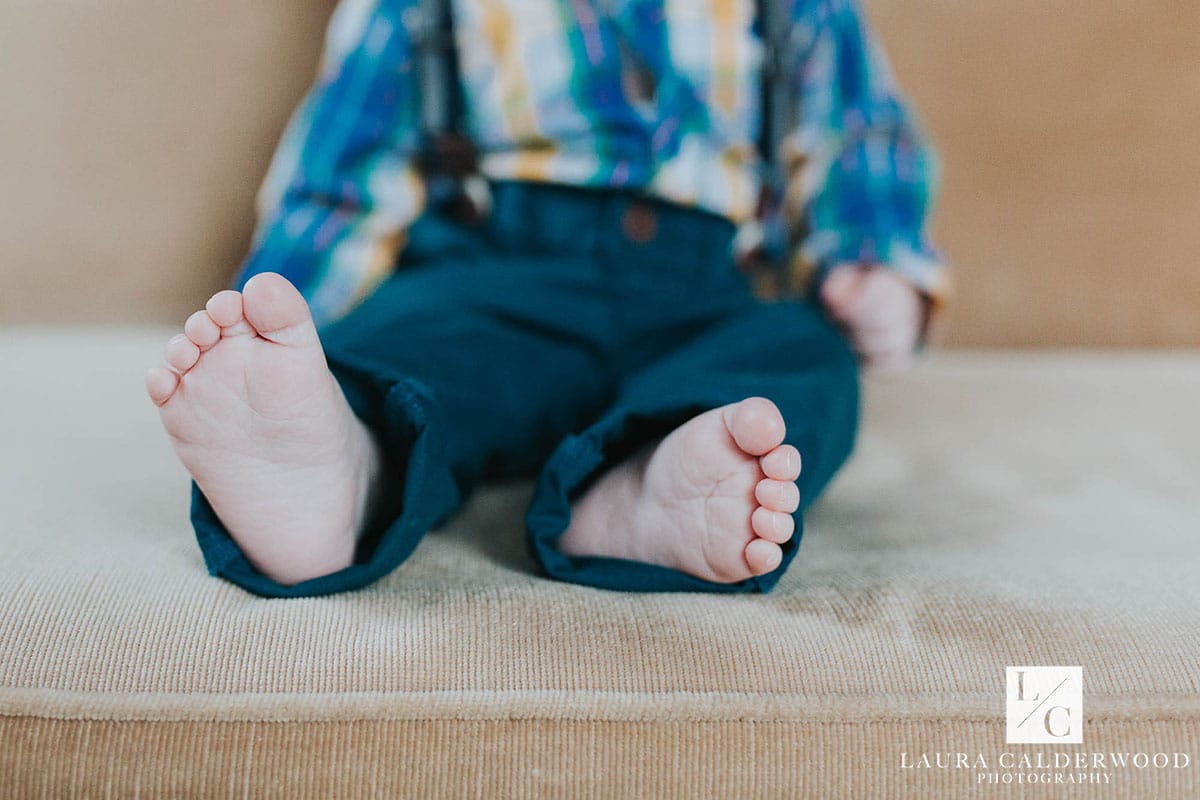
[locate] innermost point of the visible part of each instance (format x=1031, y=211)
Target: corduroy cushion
x=1000, y=510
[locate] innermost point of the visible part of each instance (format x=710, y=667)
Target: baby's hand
x=879, y=311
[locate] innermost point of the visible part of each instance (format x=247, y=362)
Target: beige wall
x=134, y=133
x=132, y=138
x=1069, y=133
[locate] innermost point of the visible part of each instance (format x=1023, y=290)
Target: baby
x=589, y=326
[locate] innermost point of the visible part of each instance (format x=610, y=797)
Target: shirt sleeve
x=342, y=187
x=860, y=174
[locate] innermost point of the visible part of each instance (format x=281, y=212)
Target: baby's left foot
x=712, y=499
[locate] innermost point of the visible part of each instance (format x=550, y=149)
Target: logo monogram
x=1044, y=705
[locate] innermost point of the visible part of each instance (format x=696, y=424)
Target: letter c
x=1050, y=711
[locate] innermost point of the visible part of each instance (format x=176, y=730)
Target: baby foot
x=263, y=427
x=712, y=499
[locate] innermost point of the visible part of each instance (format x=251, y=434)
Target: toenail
x=177, y=338
x=777, y=522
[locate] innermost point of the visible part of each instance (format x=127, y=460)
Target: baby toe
x=277, y=309
x=755, y=424
x=225, y=308
x=182, y=353
x=782, y=463
x=202, y=330
x=774, y=526
x=161, y=384
x=777, y=495
x=763, y=556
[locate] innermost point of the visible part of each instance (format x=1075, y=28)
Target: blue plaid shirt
x=660, y=96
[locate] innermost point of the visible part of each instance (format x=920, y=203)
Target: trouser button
x=639, y=223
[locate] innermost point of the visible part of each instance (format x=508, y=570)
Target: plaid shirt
x=660, y=96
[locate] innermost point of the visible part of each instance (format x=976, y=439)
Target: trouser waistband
x=606, y=223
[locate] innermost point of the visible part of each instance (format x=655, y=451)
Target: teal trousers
x=552, y=341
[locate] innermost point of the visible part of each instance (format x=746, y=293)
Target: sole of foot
x=262, y=426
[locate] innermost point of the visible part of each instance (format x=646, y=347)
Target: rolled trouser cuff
x=413, y=448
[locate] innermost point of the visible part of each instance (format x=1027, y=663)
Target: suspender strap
x=430, y=28
x=762, y=241
x=448, y=159
x=778, y=100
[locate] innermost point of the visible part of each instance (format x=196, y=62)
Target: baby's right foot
x=263, y=427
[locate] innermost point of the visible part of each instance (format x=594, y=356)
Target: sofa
x=1001, y=510
x=1025, y=499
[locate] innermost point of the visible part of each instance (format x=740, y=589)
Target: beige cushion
x=1001, y=510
